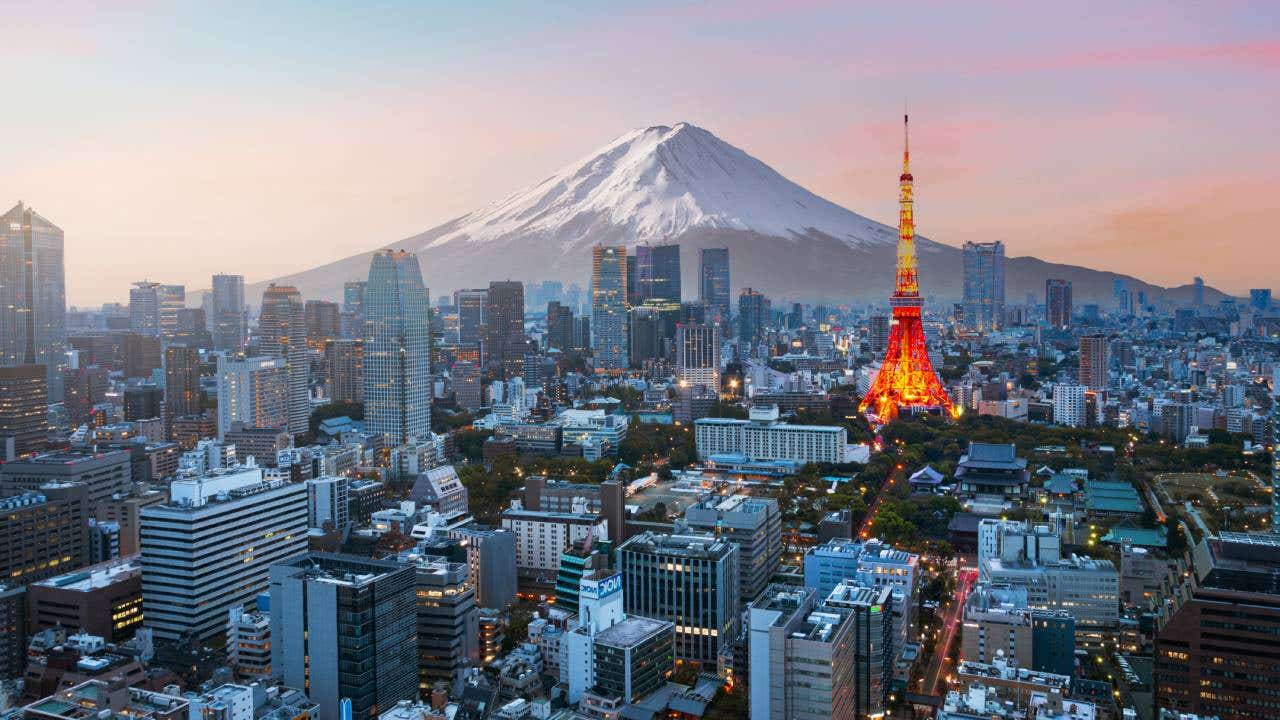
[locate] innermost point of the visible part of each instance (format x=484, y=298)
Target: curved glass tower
x=397, y=350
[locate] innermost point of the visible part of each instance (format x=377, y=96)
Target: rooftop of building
x=737, y=503
x=347, y=570
x=26, y=499
x=1001, y=670
x=993, y=456
x=693, y=545
x=96, y=577
x=551, y=516
x=632, y=631
x=848, y=593
x=62, y=457
x=873, y=549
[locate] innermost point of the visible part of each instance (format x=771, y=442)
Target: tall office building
x=690, y=580
x=1215, y=655
x=471, y=306
x=144, y=308
x=282, y=333
x=397, y=351
x=143, y=402
x=1095, y=361
x=1057, y=303
x=713, y=282
x=814, y=660
x=1197, y=292
x=13, y=630
x=24, y=410
x=43, y=533
x=353, y=309
x=504, y=326
x=344, y=627
x=448, y=634
x=33, y=305
x=229, y=316
x=142, y=355
x=753, y=315
x=609, y=308
x=324, y=322
x=559, y=326
x=344, y=370
x=210, y=547
x=878, y=333
x=173, y=300
x=1260, y=299
x=253, y=391
x=658, y=272
x=754, y=525
x=697, y=352
x=182, y=395
x=984, y=286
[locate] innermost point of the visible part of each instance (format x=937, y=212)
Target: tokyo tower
x=906, y=382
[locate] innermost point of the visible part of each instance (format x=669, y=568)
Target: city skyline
x=231, y=145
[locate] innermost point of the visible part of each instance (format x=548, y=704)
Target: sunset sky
x=175, y=140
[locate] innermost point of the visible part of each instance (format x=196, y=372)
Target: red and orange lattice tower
x=906, y=382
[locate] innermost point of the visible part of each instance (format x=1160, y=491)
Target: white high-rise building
x=327, y=501
x=1068, y=405
x=208, y=549
x=254, y=391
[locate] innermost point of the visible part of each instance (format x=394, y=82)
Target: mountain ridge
x=681, y=183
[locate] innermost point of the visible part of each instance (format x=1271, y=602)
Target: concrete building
x=754, y=525
x=690, y=580
x=209, y=548
x=253, y=391
x=441, y=490
x=610, y=654
x=346, y=628
x=1068, y=404
x=491, y=563
x=764, y=438
x=328, y=502
x=44, y=533
x=1095, y=361
x=448, y=630
x=344, y=370
x=13, y=631
x=24, y=410
x=870, y=563
x=788, y=636
x=1086, y=588
x=249, y=644
x=542, y=535
x=104, y=474
x=103, y=600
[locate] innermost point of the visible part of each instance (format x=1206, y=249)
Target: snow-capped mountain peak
x=654, y=183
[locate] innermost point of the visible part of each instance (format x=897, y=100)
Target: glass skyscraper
x=282, y=333
x=713, y=286
x=658, y=272
x=33, y=301
x=229, y=317
x=397, y=359
x=984, y=286
x=609, y=308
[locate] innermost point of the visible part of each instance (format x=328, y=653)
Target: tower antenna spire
x=906, y=139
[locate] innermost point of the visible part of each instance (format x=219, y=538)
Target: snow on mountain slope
x=660, y=182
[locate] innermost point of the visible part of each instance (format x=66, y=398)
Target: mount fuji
x=682, y=184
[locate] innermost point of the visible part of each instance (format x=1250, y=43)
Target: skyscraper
x=353, y=309
x=984, y=286
x=229, y=317
x=609, y=308
x=324, y=322
x=697, y=353
x=713, y=286
x=471, y=305
x=1057, y=303
x=253, y=391
x=181, y=382
x=504, y=326
x=1197, y=292
x=1095, y=361
x=753, y=315
x=24, y=409
x=1260, y=299
x=344, y=370
x=559, y=326
x=144, y=308
x=172, y=299
x=658, y=272
x=345, y=627
x=397, y=360
x=282, y=333
x=33, y=304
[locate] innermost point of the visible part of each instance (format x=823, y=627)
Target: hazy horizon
x=175, y=141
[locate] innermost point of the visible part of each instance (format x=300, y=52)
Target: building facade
x=397, y=363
